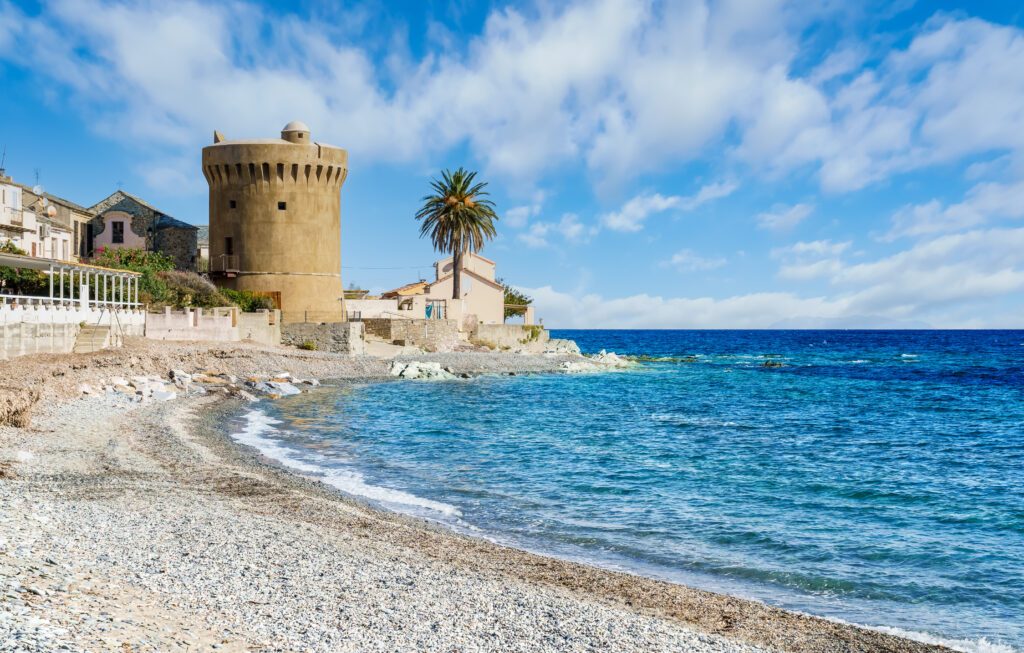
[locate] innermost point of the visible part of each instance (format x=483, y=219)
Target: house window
x=281, y=206
x=229, y=247
x=117, y=232
x=232, y=204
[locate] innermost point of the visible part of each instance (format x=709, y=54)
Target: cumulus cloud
x=637, y=86
x=569, y=227
x=686, y=260
x=634, y=213
x=781, y=218
x=933, y=281
x=984, y=202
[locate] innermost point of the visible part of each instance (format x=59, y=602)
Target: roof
x=470, y=273
x=473, y=254
x=36, y=263
x=162, y=221
x=417, y=288
x=295, y=126
x=53, y=198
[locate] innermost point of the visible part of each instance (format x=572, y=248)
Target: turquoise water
x=876, y=477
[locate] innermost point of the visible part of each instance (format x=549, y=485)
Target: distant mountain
x=850, y=322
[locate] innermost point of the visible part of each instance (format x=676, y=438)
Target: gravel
x=139, y=526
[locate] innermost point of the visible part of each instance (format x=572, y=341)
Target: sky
x=733, y=164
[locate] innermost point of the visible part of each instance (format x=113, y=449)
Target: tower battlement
x=275, y=220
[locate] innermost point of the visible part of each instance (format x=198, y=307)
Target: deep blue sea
x=875, y=477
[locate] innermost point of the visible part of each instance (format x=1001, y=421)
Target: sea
x=872, y=477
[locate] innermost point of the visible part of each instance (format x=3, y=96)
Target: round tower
x=275, y=220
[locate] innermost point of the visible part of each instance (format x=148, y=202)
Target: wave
x=258, y=433
x=980, y=645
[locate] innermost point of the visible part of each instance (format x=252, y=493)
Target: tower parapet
x=275, y=220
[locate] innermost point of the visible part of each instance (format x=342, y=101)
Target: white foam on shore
x=980, y=645
x=258, y=434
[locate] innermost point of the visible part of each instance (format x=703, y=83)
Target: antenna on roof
x=36, y=170
x=3, y=161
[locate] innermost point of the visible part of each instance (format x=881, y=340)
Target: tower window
x=117, y=232
x=229, y=246
x=232, y=204
x=281, y=206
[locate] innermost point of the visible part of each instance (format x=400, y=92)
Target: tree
x=514, y=299
x=458, y=217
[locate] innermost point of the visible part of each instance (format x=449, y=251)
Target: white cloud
x=518, y=216
x=628, y=87
x=686, y=260
x=983, y=202
x=807, y=260
x=937, y=281
x=634, y=213
x=781, y=218
x=569, y=227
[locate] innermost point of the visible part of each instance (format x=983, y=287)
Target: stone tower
x=275, y=220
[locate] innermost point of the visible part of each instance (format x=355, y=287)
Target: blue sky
x=680, y=164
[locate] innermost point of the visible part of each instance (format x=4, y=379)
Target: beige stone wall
x=512, y=336
x=295, y=250
x=337, y=337
x=432, y=335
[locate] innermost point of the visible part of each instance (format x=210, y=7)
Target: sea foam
x=259, y=431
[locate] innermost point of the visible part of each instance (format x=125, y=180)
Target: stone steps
x=92, y=338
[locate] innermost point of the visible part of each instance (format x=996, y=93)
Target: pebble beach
x=141, y=526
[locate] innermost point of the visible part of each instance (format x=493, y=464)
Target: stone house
x=123, y=220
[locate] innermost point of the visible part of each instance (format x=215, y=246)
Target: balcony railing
x=224, y=263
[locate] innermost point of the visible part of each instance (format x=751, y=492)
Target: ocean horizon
x=868, y=476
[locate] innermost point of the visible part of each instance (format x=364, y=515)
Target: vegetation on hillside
x=458, y=217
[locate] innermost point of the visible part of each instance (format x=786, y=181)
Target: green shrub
x=152, y=288
x=308, y=345
x=21, y=281
x=188, y=289
x=249, y=301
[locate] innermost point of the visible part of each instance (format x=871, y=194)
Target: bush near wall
x=248, y=301
x=14, y=281
x=161, y=285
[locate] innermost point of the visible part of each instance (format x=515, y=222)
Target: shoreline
x=159, y=468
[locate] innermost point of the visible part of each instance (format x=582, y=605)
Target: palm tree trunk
x=457, y=274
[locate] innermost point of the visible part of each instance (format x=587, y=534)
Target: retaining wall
x=338, y=337
x=226, y=324
x=52, y=328
x=432, y=335
x=513, y=336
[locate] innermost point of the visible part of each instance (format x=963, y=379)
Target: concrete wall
x=372, y=308
x=513, y=336
x=294, y=250
x=432, y=335
x=215, y=324
x=263, y=327
x=338, y=337
x=51, y=328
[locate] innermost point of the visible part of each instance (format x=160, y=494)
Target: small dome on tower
x=295, y=132
x=295, y=126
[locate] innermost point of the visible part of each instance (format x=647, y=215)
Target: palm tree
x=458, y=217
